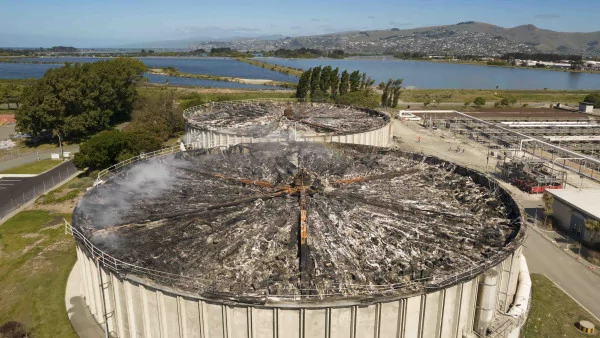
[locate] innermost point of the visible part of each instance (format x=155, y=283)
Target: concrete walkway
x=79, y=315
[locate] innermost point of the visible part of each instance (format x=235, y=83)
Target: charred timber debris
x=257, y=119
x=269, y=220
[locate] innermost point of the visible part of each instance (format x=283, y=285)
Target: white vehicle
x=406, y=116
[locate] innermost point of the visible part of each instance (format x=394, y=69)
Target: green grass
x=35, y=261
x=195, y=99
x=37, y=167
x=490, y=95
x=553, y=313
x=67, y=191
x=273, y=67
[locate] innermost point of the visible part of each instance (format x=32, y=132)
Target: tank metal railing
x=190, y=110
x=210, y=286
x=213, y=287
x=142, y=157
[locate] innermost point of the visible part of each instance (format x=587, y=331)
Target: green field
x=37, y=167
x=275, y=68
x=553, y=313
x=523, y=96
x=36, y=257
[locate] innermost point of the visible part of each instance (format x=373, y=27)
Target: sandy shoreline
x=159, y=71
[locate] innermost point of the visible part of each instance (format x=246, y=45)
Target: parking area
x=16, y=191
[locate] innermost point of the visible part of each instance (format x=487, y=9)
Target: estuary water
x=417, y=74
x=431, y=75
x=211, y=66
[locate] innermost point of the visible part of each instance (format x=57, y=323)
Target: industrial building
x=254, y=121
x=300, y=239
x=572, y=207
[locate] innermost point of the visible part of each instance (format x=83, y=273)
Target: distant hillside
x=473, y=38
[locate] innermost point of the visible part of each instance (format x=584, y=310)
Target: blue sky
x=89, y=23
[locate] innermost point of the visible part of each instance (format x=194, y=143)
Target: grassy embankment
x=35, y=260
x=490, y=95
x=36, y=257
x=174, y=72
x=553, y=313
x=37, y=167
x=194, y=99
x=275, y=68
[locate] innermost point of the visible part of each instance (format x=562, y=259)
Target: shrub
x=593, y=98
x=479, y=101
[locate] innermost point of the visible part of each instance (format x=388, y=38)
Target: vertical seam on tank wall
x=353, y=322
x=328, y=322
x=275, y=323
x=377, y=320
x=201, y=318
x=474, y=292
x=401, y=315
x=130, y=311
x=162, y=315
x=118, y=309
x=423, y=308
x=145, y=316
x=224, y=320
x=250, y=327
x=441, y=308
x=303, y=323
x=459, y=291
x=505, y=308
x=182, y=317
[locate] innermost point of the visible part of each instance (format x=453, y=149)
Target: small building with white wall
x=572, y=207
x=586, y=107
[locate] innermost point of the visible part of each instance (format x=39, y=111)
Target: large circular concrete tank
x=255, y=121
x=297, y=240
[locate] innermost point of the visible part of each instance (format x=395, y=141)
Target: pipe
x=485, y=308
x=521, y=146
x=519, y=307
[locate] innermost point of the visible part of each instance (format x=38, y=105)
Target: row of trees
x=540, y=57
x=306, y=53
x=391, y=92
x=320, y=83
x=326, y=83
x=79, y=100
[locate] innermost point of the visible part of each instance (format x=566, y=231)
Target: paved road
x=545, y=257
x=18, y=191
x=9, y=161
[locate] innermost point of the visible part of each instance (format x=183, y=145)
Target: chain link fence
x=18, y=191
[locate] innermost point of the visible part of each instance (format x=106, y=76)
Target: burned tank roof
x=278, y=219
x=259, y=119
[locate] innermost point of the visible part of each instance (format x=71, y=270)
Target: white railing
x=194, y=109
x=215, y=287
x=212, y=286
x=142, y=157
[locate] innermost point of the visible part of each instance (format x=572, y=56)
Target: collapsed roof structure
x=303, y=218
x=264, y=117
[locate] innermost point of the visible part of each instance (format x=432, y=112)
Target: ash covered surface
x=259, y=119
x=228, y=221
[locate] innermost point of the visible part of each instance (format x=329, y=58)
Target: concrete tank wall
x=380, y=137
x=136, y=308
